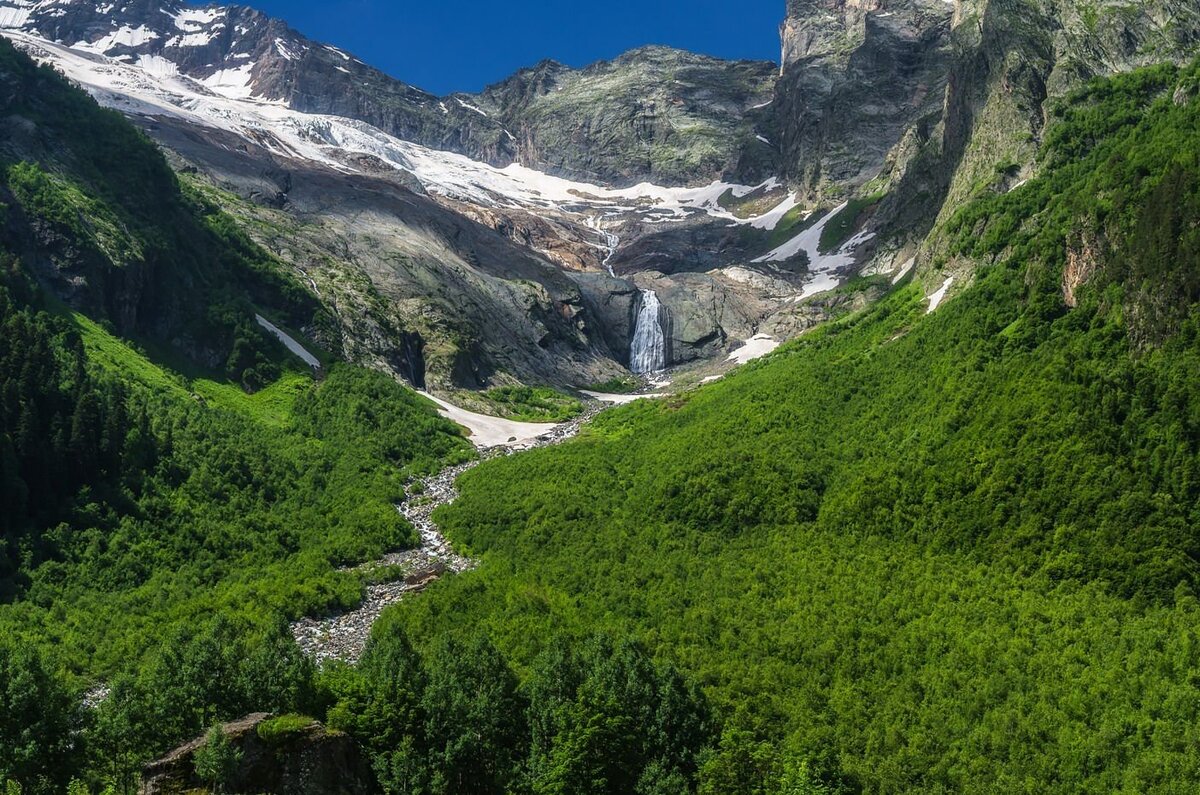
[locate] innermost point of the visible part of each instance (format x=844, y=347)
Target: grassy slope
x=944, y=553
x=269, y=492
x=233, y=501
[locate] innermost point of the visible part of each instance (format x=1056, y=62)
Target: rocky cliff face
x=856, y=76
x=1011, y=62
x=928, y=102
x=1014, y=58
x=656, y=114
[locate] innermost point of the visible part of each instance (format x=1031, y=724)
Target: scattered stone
x=93, y=698
x=344, y=636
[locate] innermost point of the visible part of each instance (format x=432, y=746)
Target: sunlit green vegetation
x=532, y=404
x=144, y=484
x=908, y=552
x=918, y=553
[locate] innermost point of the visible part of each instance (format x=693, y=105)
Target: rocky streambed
x=343, y=636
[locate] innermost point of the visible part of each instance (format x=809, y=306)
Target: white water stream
x=648, y=352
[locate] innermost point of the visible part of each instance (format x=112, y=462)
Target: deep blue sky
x=462, y=45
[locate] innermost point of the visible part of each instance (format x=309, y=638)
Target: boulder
x=311, y=760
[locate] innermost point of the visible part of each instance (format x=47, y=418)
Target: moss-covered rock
x=288, y=755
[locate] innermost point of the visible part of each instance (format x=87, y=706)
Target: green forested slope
x=90, y=208
x=909, y=552
x=953, y=552
x=143, y=489
x=173, y=485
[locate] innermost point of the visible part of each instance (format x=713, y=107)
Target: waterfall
x=648, y=352
x=611, y=242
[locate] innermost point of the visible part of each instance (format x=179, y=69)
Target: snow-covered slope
x=225, y=101
x=587, y=123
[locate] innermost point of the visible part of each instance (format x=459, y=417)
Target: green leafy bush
x=533, y=404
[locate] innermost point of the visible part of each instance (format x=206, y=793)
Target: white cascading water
x=648, y=353
x=611, y=242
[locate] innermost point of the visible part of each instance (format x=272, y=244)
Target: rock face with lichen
x=856, y=75
x=654, y=114
x=931, y=100
x=308, y=760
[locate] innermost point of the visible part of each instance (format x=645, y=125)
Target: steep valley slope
x=938, y=536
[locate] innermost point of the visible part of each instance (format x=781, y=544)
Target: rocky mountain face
x=1014, y=59
x=655, y=113
x=448, y=271
x=418, y=289
x=856, y=76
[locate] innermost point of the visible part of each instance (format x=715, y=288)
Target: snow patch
x=15, y=13
x=771, y=219
x=756, y=347
x=492, y=431
x=282, y=48
x=193, y=19
x=469, y=106
x=231, y=83
x=289, y=342
x=823, y=267
x=157, y=66
x=122, y=37
x=936, y=299
x=618, y=400
x=191, y=40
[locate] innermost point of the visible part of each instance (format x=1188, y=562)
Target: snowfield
x=756, y=347
x=824, y=268
x=289, y=342
x=936, y=299
x=620, y=399
x=487, y=431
